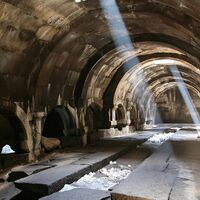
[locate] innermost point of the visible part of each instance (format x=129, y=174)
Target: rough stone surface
x=79, y=194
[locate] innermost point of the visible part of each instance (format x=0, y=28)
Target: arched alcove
x=12, y=131
x=92, y=117
x=59, y=123
x=120, y=116
x=172, y=107
x=134, y=117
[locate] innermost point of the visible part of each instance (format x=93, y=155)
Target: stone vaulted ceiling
x=60, y=48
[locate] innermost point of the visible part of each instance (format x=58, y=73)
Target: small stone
x=50, y=143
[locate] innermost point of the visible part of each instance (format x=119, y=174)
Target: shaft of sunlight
x=120, y=33
x=186, y=96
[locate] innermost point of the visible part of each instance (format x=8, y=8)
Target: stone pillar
x=37, y=118
x=82, y=126
x=113, y=117
x=128, y=117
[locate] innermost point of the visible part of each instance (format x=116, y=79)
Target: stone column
x=37, y=118
x=113, y=117
x=82, y=125
x=128, y=117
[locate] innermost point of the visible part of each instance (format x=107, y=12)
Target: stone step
x=79, y=194
x=53, y=179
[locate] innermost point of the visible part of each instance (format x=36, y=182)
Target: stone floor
x=168, y=171
x=52, y=172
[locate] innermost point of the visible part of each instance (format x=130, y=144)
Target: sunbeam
x=121, y=39
x=186, y=96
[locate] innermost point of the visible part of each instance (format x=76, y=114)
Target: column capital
x=39, y=114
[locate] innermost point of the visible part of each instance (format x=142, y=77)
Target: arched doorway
x=172, y=107
x=120, y=117
x=134, y=117
x=12, y=131
x=93, y=117
x=59, y=123
x=93, y=120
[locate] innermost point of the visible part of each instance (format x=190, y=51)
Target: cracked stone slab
x=148, y=181
x=158, y=161
x=24, y=171
x=145, y=185
x=93, y=158
x=100, y=159
x=27, y=170
x=52, y=180
x=79, y=194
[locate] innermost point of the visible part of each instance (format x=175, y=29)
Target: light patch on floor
x=7, y=150
x=103, y=179
x=160, y=138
